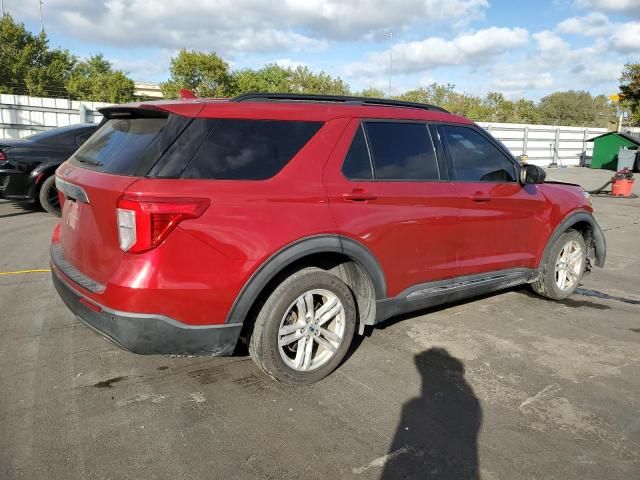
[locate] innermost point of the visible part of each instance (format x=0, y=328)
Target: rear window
x=248, y=149
x=121, y=144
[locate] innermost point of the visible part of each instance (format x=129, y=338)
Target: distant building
x=147, y=90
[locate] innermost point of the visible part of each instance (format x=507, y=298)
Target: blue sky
x=520, y=48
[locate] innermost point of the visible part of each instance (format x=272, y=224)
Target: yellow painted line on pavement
x=19, y=272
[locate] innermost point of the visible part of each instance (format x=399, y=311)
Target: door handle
x=480, y=197
x=359, y=195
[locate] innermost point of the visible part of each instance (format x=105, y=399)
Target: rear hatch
x=124, y=148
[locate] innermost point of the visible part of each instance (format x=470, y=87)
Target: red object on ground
x=622, y=187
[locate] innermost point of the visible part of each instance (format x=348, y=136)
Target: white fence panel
x=21, y=115
x=545, y=144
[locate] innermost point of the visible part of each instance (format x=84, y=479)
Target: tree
x=446, y=97
x=575, y=108
x=371, y=92
x=303, y=80
x=205, y=74
x=630, y=89
x=96, y=80
x=28, y=66
x=271, y=78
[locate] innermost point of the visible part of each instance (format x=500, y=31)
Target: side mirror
x=532, y=174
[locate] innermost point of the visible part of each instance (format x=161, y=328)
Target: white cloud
x=247, y=26
x=622, y=36
x=467, y=48
x=513, y=81
x=594, y=24
x=625, y=6
x=627, y=37
x=145, y=68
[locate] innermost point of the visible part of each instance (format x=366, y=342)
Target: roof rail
x=345, y=100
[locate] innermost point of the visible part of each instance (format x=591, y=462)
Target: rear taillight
x=3, y=156
x=144, y=223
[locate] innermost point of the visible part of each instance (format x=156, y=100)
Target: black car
x=27, y=166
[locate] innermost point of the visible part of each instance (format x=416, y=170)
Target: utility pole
x=41, y=22
x=390, y=35
x=1, y=8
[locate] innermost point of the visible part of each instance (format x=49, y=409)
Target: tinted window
x=357, y=165
x=80, y=139
x=120, y=145
x=475, y=158
x=401, y=151
x=249, y=149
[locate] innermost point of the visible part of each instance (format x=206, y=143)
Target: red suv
x=292, y=221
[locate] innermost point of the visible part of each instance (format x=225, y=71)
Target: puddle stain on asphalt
x=605, y=296
x=109, y=382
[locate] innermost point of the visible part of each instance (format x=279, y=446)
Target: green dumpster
x=606, y=147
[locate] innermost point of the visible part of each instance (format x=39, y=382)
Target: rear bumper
x=16, y=185
x=147, y=333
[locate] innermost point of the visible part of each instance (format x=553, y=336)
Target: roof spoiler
x=186, y=94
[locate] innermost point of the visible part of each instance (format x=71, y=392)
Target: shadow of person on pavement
x=438, y=432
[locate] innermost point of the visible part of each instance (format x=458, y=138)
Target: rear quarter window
x=248, y=149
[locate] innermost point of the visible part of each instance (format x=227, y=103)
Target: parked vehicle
x=291, y=222
x=27, y=166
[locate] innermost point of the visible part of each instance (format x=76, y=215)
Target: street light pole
x=41, y=22
x=390, y=35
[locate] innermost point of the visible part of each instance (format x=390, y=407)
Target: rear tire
x=304, y=328
x=48, y=196
x=563, y=268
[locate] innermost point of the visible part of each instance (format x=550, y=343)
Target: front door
x=499, y=217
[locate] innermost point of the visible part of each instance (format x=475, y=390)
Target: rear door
x=387, y=191
x=499, y=217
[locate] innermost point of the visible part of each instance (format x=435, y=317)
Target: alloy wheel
x=311, y=330
x=569, y=265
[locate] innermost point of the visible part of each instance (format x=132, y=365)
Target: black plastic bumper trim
x=147, y=333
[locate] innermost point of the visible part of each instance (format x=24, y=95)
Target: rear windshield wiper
x=89, y=160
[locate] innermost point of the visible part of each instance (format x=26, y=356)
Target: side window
x=357, y=164
x=249, y=149
x=475, y=158
x=401, y=151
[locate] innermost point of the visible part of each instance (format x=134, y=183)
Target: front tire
x=48, y=196
x=564, y=267
x=304, y=328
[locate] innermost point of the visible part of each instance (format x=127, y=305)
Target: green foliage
x=371, y=93
x=304, y=80
x=27, y=65
x=273, y=78
x=205, y=74
x=96, y=81
x=575, y=108
x=630, y=89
